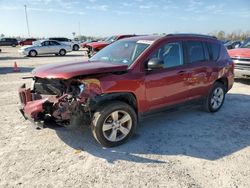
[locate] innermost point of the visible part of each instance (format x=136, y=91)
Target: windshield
x=121, y=52
x=246, y=44
x=110, y=39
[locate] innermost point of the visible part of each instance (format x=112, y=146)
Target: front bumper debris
x=30, y=108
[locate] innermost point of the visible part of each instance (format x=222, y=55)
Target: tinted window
x=195, y=51
x=214, y=50
x=170, y=54
x=53, y=43
x=45, y=43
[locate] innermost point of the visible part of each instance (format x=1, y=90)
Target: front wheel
x=32, y=53
x=114, y=123
x=215, y=98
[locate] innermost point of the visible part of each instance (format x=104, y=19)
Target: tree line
x=235, y=35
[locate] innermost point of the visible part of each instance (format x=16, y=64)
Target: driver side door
x=167, y=86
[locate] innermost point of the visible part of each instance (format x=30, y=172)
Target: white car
x=45, y=47
x=75, y=45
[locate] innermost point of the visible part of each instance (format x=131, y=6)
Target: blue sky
x=49, y=18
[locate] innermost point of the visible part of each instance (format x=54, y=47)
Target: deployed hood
x=240, y=52
x=69, y=70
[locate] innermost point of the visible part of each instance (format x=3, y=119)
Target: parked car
x=8, y=42
x=85, y=43
x=241, y=58
x=128, y=80
x=27, y=41
x=75, y=45
x=45, y=47
x=94, y=47
x=232, y=44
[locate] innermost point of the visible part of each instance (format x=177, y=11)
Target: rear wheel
x=215, y=98
x=62, y=52
x=13, y=45
x=114, y=123
x=32, y=53
x=76, y=47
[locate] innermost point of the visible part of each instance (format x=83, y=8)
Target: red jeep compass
x=127, y=80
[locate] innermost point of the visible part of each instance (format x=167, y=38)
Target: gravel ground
x=180, y=148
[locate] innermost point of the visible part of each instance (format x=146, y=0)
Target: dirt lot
x=182, y=148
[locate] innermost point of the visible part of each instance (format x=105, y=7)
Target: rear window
x=195, y=51
x=214, y=50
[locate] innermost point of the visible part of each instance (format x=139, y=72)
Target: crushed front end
x=65, y=102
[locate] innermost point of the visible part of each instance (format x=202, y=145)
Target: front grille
x=241, y=59
x=242, y=66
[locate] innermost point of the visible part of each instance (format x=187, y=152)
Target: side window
x=214, y=50
x=54, y=43
x=195, y=51
x=170, y=53
x=45, y=43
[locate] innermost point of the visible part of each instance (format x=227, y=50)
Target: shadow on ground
x=243, y=81
x=52, y=55
x=8, y=70
x=40, y=56
x=184, y=132
x=12, y=58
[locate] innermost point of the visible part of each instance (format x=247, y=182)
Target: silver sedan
x=45, y=47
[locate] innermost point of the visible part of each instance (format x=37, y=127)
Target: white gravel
x=181, y=148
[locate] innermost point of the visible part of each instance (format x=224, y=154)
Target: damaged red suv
x=127, y=80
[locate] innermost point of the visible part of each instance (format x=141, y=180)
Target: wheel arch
x=224, y=81
x=126, y=97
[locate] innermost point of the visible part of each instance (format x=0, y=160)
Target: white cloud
x=98, y=7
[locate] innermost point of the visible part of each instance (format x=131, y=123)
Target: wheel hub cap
x=117, y=126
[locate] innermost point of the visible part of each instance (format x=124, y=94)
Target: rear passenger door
x=54, y=47
x=199, y=67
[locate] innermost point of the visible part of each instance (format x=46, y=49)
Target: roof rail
x=192, y=35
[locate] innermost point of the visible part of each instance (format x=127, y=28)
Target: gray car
x=45, y=47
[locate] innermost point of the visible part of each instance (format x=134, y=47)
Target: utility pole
x=27, y=22
x=79, y=27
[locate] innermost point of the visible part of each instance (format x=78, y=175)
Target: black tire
x=13, y=45
x=76, y=47
x=62, y=52
x=209, y=101
x=32, y=53
x=101, y=116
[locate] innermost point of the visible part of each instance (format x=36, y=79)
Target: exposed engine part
x=49, y=87
x=67, y=101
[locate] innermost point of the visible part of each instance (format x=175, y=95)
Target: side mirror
x=155, y=63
